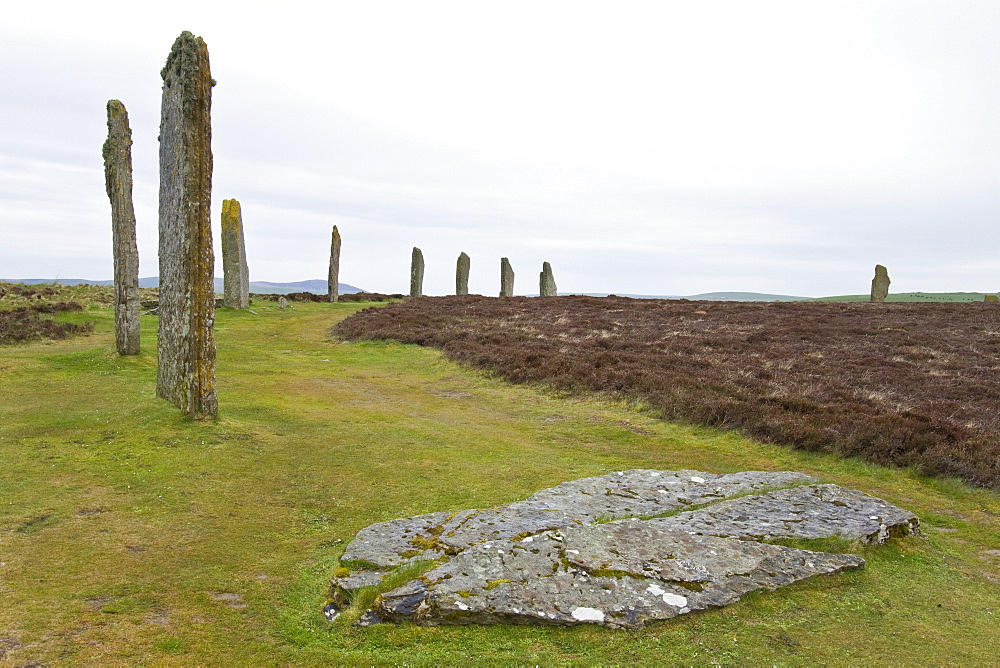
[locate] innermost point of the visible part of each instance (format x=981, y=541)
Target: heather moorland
x=895, y=383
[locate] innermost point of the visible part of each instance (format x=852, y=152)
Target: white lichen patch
x=668, y=598
x=675, y=600
x=695, y=478
x=588, y=614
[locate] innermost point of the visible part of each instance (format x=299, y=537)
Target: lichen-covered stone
x=580, y=552
x=506, y=278
x=809, y=511
x=186, y=345
x=880, y=284
x=546, y=282
x=462, y=274
x=620, y=575
x=236, y=274
x=117, y=154
x=333, y=277
x=417, y=273
x=634, y=493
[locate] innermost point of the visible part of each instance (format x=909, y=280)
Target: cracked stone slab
x=599, y=551
x=620, y=575
x=809, y=511
x=634, y=493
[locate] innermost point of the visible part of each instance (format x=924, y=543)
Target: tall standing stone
x=880, y=284
x=417, y=273
x=546, y=282
x=462, y=275
x=506, y=278
x=118, y=181
x=236, y=274
x=333, y=277
x=186, y=345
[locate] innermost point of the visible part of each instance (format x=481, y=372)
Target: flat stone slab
x=810, y=511
x=634, y=493
x=619, y=575
x=581, y=552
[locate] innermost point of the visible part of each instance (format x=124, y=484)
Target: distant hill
x=266, y=287
x=913, y=297
x=708, y=296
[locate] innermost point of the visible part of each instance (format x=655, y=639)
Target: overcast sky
x=640, y=147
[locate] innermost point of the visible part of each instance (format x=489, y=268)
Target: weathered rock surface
x=880, y=284
x=117, y=154
x=619, y=575
x=546, y=282
x=417, y=273
x=333, y=276
x=635, y=493
x=810, y=511
x=185, y=341
x=579, y=552
x=506, y=278
x=236, y=274
x=462, y=274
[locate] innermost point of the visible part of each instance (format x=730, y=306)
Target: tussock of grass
x=364, y=598
x=154, y=520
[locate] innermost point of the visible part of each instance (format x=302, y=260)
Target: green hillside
x=912, y=297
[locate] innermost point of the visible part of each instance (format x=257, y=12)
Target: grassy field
x=130, y=535
x=932, y=297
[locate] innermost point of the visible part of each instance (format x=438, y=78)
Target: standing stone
x=462, y=275
x=417, y=273
x=880, y=284
x=282, y=303
x=236, y=281
x=546, y=282
x=118, y=181
x=333, y=278
x=506, y=278
x=186, y=345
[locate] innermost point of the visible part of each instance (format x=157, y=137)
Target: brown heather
x=313, y=297
x=899, y=384
x=25, y=323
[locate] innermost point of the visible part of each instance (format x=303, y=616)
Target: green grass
x=129, y=534
x=931, y=297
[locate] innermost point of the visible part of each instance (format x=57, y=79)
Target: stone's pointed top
x=116, y=107
x=463, y=255
x=336, y=232
x=230, y=207
x=185, y=54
